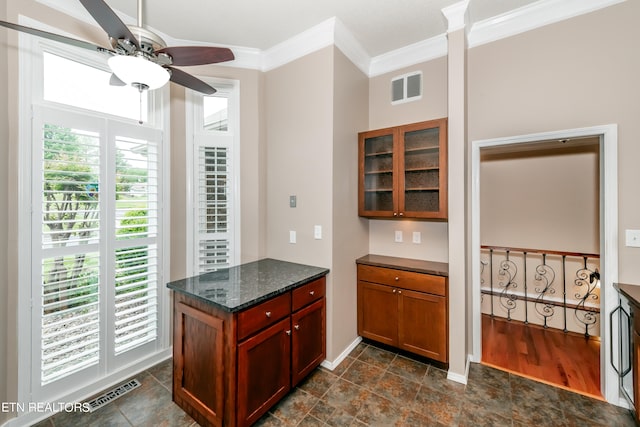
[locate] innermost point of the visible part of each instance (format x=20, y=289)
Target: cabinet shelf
x=402, y=171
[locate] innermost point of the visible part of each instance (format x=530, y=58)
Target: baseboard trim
x=331, y=365
x=461, y=378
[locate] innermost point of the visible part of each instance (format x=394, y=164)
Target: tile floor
x=376, y=387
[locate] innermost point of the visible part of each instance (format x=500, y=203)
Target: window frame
x=30, y=93
x=194, y=133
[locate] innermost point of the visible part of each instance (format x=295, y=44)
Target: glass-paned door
x=377, y=171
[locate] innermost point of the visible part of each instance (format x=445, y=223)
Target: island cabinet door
x=423, y=324
x=308, y=340
x=264, y=371
x=198, y=364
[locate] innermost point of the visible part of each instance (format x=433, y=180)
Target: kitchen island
x=244, y=336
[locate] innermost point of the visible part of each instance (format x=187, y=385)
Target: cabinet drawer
x=420, y=282
x=308, y=293
x=263, y=315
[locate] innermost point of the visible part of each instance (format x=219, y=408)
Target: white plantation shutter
x=96, y=252
x=213, y=208
x=70, y=262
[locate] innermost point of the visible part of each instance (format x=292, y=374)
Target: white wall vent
x=407, y=87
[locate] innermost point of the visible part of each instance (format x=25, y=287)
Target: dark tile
x=436, y=379
x=108, y=415
x=535, y=402
x=318, y=382
x=310, y=421
x=340, y=418
x=408, y=368
x=397, y=389
x=346, y=396
x=294, y=407
x=380, y=412
x=576, y=406
x=439, y=406
x=474, y=416
x=488, y=376
x=163, y=372
x=269, y=420
x=358, y=350
x=339, y=370
x=322, y=411
x=44, y=423
x=414, y=419
x=495, y=400
x=539, y=415
x=363, y=374
x=377, y=357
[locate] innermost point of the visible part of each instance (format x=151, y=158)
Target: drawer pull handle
x=288, y=332
x=268, y=314
x=397, y=278
x=296, y=327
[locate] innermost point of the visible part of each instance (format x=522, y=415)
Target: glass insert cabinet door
x=403, y=171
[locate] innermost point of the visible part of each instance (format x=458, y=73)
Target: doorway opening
x=542, y=227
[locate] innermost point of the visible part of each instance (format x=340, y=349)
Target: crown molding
x=530, y=17
x=407, y=56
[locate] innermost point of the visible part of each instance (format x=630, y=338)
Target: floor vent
x=111, y=395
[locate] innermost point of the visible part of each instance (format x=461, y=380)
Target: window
x=214, y=133
x=96, y=227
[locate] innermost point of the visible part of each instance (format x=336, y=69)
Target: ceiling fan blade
x=189, y=81
x=109, y=21
x=54, y=37
x=197, y=55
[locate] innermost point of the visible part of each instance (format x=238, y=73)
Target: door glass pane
x=79, y=85
x=378, y=173
x=422, y=170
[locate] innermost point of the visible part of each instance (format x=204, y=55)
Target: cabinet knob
x=399, y=292
x=397, y=278
x=288, y=332
x=401, y=214
x=312, y=293
x=296, y=327
x=268, y=314
x=394, y=291
x=395, y=214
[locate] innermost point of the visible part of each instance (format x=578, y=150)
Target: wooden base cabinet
x=404, y=309
x=230, y=368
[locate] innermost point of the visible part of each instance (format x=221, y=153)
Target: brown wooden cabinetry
x=404, y=309
x=230, y=368
x=403, y=171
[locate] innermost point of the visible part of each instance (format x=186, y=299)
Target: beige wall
x=542, y=198
x=350, y=232
x=299, y=134
x=382, y=114
x=4, y=246
x=577, y=73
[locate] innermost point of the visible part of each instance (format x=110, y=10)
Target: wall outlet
x=417, y=237
x=632, y=238
x=398, y=237
x=317, y=232
x=292, y=236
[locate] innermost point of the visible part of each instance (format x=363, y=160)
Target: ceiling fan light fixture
x=139, y=72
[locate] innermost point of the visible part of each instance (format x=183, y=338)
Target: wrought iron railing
x=542, y=287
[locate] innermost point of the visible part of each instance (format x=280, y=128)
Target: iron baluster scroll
x=549, y=291
x=507, y=272
x=587, y=280
x=544, y=277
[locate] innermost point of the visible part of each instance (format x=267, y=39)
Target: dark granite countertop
x=632, y=292
x=406, y=264
x=242, y=286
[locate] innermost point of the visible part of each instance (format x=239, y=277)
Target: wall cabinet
x=230, y=368
x=404, y=309
x=403, y=171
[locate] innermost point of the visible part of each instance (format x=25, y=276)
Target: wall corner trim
x=331, y=365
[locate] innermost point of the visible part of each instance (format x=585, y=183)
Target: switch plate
x=417, y=237
x=317, y=232
x=293, y=201
x=398, y=237
x=632, y=238
x=292, y=236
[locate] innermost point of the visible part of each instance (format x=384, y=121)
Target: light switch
x=417, y=237
x=292, y=236
x=398, y=238
x=632, y=238
x=293, y=201
x=317, y=232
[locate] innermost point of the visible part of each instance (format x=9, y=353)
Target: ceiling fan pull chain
x=140, y=90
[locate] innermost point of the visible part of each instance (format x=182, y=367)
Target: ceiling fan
x=139, y=57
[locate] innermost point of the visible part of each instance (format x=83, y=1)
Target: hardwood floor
x=569, y=361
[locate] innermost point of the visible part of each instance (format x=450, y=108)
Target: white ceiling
x=379, y=25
